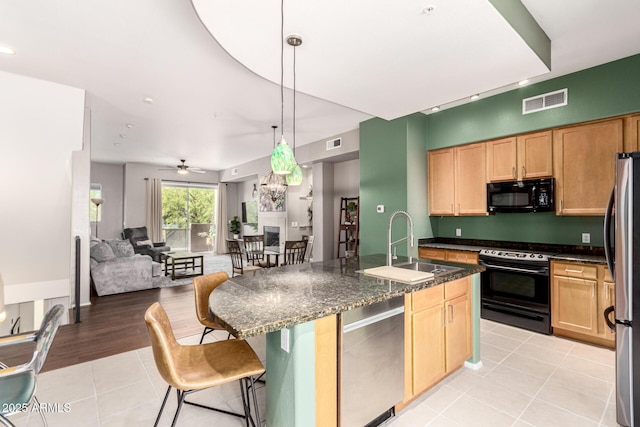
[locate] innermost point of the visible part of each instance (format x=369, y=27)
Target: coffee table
x=186, y=264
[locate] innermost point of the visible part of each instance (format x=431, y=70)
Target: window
x=188, y=215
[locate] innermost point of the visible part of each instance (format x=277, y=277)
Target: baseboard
x=475, y=366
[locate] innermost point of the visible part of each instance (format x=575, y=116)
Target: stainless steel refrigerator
x=624, y=264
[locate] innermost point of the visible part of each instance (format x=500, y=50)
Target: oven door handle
x=543, y=271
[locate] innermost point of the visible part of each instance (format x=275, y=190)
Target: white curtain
x=154, y=209
x=221, y=220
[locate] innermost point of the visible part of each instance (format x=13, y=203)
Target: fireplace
x=271, y=236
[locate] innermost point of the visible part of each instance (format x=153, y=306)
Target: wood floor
x=112, y=324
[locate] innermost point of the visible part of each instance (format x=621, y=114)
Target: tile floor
x=527, y=379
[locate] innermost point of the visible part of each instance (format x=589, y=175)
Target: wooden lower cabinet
x=439, y=338
x=464, y=257
x=579, y=295
x=432, y=253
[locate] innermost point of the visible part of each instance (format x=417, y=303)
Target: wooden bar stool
x=190, y=368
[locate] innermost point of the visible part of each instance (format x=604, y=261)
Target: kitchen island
x=297, y=306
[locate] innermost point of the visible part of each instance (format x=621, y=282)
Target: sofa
x=115, y=268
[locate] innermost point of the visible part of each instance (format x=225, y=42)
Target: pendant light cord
x=282, y=68
x=294, y=100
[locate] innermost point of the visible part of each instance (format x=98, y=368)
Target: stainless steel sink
x=436, y=269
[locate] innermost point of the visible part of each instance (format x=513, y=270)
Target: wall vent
x=234, y=171
x=334, y=143
x=545, y=101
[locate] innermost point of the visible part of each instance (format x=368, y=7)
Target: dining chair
x=191, y=368
x=18, y=383
x=254, y=249
x=309, y=250
x=202, y=288
x=235, y=251
x=294, y=251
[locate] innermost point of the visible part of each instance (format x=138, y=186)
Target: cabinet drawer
x=432, y=253
x=456, y=288
x=463, y=257
x=581, y=271
x=428, y=297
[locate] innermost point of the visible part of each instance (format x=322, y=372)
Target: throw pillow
x=102, y=252
x=144, y=243
x=121, y=248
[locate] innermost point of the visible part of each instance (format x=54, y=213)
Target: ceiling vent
x=334, y=143
x=545, y=101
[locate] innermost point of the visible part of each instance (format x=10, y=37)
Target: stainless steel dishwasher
x=371, y=362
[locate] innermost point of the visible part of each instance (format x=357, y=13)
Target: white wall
x=111, y=177
x=41, y=125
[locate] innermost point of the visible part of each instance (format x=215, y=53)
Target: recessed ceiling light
x=123, y=136
x=436, y=108
x=523, y=82
x=148, y=100
x=129, y=125
x=116, y=144
x=474, y=97
x=428, y=10
x=4, y=49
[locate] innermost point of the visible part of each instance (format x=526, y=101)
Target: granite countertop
x=555, y=252
x=275, y=298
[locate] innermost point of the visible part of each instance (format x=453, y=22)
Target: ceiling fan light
x=282, y=159
x=182, y=171
x=295, y=177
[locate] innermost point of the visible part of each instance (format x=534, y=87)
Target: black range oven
x=515, y=289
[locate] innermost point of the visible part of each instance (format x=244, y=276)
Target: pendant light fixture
x=282, y=159
x=274, y=185
x=295, y=177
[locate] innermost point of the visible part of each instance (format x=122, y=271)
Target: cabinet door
x=632, y=133
x=432, y=253
x=462, y=257
x=428, y=347
x=535, y=153
x=501, y=160
x=606, y=298
x=441, y=181
x=471, y=179
x=584, y=164
x=457, y=332
x=574, y=305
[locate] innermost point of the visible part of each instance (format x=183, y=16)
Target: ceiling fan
x=183, y=169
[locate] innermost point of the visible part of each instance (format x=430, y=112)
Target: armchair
x=142, y=244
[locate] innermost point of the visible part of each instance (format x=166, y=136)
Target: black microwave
x=533, y=195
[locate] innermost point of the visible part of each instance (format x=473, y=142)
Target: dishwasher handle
x=372, y=319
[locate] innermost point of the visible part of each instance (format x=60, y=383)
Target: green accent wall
x=604, y=91
x=291, y=397
x=608, y=90
x=393, y=174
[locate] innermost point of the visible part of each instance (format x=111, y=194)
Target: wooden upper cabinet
x=501, y=159
x=522, y=157
x=441, y=181
x=535, y=155
x=471, y=179
x=632, y=133
x=584, y=166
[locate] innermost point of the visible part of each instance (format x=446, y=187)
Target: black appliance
x=515, y=289
x=623, y=262
x=533, y=195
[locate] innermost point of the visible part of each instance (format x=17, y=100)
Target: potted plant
x=352, y=211
x=235, y=227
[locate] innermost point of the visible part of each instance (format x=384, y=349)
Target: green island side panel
x=475, y=317
x=291, y=378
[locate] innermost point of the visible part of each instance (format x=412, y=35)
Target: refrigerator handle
x=607, y=320
x=607, y=232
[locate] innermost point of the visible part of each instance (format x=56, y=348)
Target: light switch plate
x=284, y=339
x=380, y=208
x=458, y=232
x=586, y=237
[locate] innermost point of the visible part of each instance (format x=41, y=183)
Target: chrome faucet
x=390, y=243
